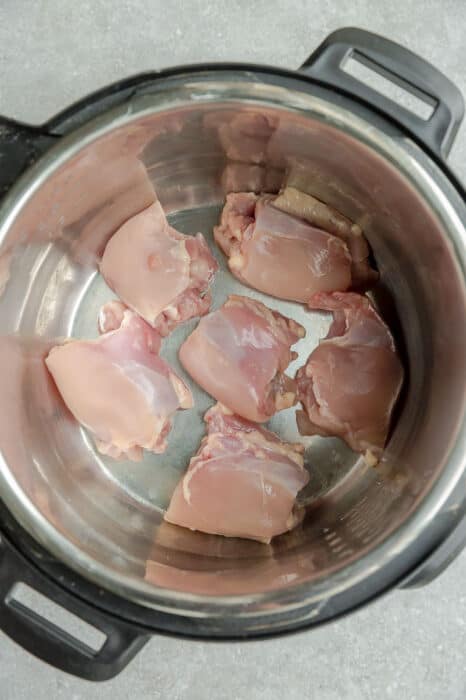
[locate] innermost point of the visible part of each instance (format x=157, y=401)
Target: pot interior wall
x=112, y=512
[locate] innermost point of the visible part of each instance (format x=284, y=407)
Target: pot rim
x=395, y=554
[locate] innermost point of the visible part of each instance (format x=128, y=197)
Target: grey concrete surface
x=409, y=645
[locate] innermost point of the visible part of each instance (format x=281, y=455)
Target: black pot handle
x=400, y=66
x=20, y=146
x=46, y=640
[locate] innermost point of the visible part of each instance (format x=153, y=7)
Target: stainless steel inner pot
x=103, y=518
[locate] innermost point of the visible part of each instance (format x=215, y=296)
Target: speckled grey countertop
x=406, y=645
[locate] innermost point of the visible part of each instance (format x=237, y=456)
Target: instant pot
x=88, y=533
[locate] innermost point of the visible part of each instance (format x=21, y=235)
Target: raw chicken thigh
x=239, y=354
x=319, y=214
x=157, y=271
x=243, y=482
x=119, y=388
x=277, y=253
x=292, y=246
x=351, y=381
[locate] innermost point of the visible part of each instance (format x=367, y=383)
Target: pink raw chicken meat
x=317, y=213
x=292, y=246
x=119, y=388
x=277, y=253
x=243, y=482
x=157, y=271
x=239, y=354
x=351, y=381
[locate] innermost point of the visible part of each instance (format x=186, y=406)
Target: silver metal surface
x=104, y=518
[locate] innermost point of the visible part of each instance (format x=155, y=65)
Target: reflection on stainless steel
x=244, y=135
x=243, y=177
x=105, y=518
x=318, y=177
x=80, y=210
x=5, y=262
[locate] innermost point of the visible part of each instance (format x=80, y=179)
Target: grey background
x=406, y=645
